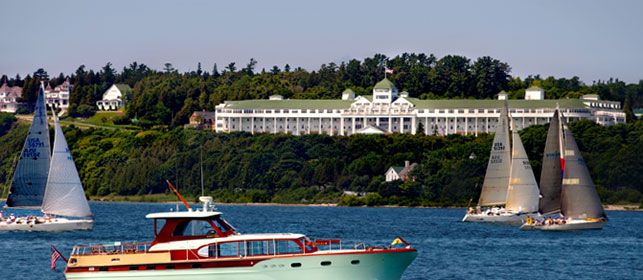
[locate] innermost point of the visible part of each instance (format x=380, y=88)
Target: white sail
x=30, y=177
x=523, y=194
x=64, y=194
x=494, y=188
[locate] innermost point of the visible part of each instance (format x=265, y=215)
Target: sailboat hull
x=58, y=224
x=570, y=225
x=501, y=218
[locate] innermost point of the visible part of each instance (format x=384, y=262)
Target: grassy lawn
x=103, y=119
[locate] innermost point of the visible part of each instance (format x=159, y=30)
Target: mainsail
x=64, y=194
x=494, y=187
x=522, y=194
x=551, y=175
x=579, y=198
x=30, y=176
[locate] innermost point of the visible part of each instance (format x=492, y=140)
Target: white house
x=114, y=97
x=58, y=97
x=391, y=113
x=400, y=172
x=9, y=98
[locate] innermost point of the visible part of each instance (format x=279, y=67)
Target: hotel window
x=451, y=111
x=461, y=111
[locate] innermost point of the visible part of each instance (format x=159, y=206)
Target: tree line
x=169, y=97
x=240, y=167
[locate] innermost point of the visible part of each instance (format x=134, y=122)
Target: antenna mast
x=201, y=165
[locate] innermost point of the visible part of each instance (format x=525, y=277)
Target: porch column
x=413, y=125
x=353, y=129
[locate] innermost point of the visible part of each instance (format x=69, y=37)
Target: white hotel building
x=387, y=111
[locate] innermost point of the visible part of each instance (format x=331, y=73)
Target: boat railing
x=327, y=244
x=112, y=248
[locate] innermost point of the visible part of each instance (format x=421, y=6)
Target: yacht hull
x=58, y=224
x=502, y=218
x=570, y=225
x=356, y=265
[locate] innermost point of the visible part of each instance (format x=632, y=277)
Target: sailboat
x=47, y=182
x=576, y=200
x=509, y=181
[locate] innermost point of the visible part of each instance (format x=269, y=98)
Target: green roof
x=290, y=104
x=398, y=169
x=123, y=88
x=385, y=84
x=494, y=103
x=534, y=88
x=419, y=103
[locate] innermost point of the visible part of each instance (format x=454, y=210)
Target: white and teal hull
x=366, y=265
x=502, y=217
x=57, y=224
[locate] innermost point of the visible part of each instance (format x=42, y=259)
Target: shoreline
x=165, y=200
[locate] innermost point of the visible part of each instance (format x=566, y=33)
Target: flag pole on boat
x=178, y=195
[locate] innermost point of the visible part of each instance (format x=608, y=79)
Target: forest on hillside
x=168, y=97
x=239, y=167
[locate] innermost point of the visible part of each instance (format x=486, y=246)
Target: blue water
x=448, y=248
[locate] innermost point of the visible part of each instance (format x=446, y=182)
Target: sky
x=594, y=40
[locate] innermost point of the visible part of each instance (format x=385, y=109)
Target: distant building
x=400, y=172
x=58, y=97
x=9, y=98
x=391, y=112
x=534, y=93
x=201, y=120
x=114, y=97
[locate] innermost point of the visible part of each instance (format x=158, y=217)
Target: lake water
x=448, y=248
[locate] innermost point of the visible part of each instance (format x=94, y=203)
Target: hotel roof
x=419, y=103
x=385, y=84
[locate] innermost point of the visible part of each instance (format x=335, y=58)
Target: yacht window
x=288, y=247
x=231, y=249
x=193, y=228
x=260, y=247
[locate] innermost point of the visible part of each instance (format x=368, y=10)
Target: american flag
x=55, y=255
x=388, y=71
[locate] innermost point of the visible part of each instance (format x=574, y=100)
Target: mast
x=30, y=176
x=494, y=187
x=579, y=198
x=522, y=193
x=201, y=166
x=551, y=175
x=64, y=194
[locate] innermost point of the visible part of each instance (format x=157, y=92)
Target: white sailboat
x=509, y=181
x=61, y=194
x=576, y=200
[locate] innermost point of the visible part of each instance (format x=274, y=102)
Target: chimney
x=406, y=164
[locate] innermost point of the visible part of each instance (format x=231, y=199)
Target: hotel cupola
x=384, y=92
